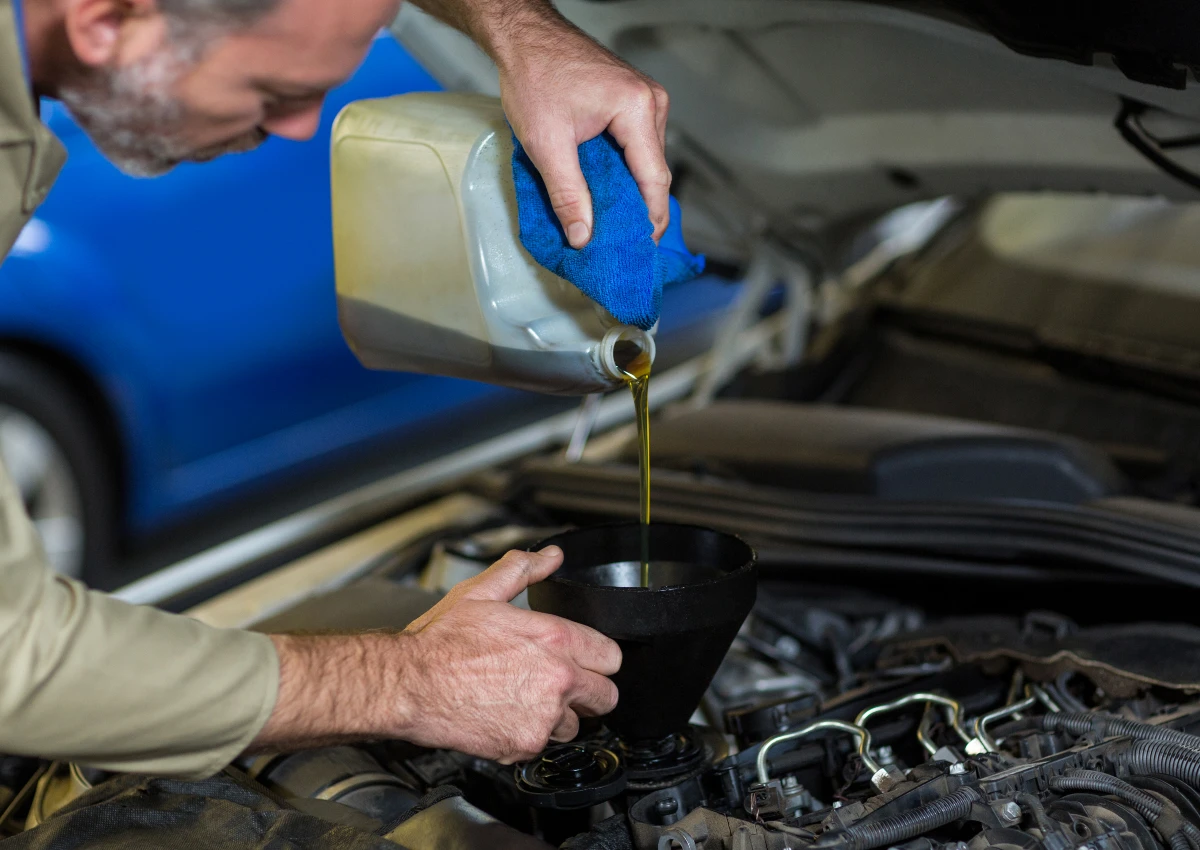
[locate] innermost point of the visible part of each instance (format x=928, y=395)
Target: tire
x=51, y=446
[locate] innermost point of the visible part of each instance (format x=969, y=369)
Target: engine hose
x=1108, y=726
x=1179, y=842
x=1146, y=758
x=867, y=836
x=1148, y=806
x=1034, y=806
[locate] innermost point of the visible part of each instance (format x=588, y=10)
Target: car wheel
x=51, y=449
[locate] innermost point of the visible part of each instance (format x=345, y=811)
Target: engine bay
x=966, y=636
x=841, y=719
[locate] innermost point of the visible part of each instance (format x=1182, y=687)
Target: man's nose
x=299, y=126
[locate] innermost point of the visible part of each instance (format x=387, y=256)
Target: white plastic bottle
x=431, y=273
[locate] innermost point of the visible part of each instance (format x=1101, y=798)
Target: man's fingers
x=557, y=160
x=638, y=134
x=592, y=695
x=662, y=106
x=567, y=728
x=513, y=573
x=500, y=582
x=593, y=651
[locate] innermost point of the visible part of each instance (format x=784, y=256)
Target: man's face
x=181, y=93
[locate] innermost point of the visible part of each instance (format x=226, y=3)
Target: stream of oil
x=638, y=375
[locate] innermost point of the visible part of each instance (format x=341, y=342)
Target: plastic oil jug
x=431, y=273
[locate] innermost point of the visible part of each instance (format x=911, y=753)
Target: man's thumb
x=506, y=578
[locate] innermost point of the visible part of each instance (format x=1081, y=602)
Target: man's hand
x=489, y=679
x=560, y=89
x=473, y=674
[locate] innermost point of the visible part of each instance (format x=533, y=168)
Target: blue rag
x=621, y=268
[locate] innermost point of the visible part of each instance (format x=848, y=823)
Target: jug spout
x=625, y=351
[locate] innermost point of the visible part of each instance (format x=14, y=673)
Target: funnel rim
x=728, y=575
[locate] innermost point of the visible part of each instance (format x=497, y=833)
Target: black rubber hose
x=1147, y=758
x=1108, y=726
x=1183, y=796
x=1093, y=780
x=1037, y=811
x=1179, y=841
x=1146, y=805
x=867, y=836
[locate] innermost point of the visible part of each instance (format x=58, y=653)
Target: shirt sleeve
x=91, y=679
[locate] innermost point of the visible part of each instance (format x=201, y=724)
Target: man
x=159, y=82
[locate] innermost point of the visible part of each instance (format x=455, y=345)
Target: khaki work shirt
x=83, y=676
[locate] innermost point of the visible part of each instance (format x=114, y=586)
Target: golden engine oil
x=637, y=373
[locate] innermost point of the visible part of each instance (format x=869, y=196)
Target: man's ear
x=102, y=31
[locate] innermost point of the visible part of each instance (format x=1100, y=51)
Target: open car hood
x=790, y=116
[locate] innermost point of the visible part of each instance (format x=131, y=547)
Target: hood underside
x=795, y=115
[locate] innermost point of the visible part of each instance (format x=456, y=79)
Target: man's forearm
x=334, y=689
x=496, y=24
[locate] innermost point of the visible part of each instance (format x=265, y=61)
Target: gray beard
x=131, y=116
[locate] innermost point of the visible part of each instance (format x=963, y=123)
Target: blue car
x=170, y=345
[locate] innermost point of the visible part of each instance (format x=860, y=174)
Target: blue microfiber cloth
x=621, y=268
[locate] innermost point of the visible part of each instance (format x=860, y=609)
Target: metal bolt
x=788, y=646
x=790, y=782
x=666, y=806
x=1010, y=812
x=958, y=768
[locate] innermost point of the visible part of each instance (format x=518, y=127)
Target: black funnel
x=673, y=635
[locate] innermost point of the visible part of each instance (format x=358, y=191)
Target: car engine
x=847, y=721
